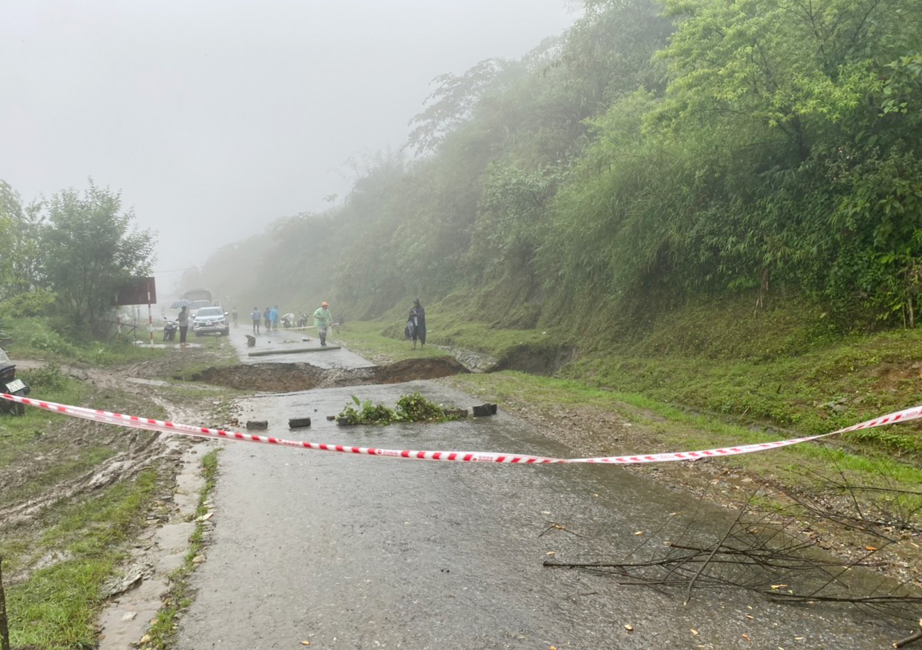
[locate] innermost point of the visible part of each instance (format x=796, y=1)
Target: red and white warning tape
x=149, y=424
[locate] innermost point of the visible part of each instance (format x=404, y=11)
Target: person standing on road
x=183, y=319
x=256, y=315
x=266, y=319
x=234, y=315
x=274, y=317
x=322, y=320
x=416, y=324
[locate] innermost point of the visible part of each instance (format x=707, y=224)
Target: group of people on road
x=270, y=316
x=415, y=329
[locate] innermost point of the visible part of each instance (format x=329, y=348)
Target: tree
x=20, y=256
x=90, y=247
x=451, y=103
x=795, y=66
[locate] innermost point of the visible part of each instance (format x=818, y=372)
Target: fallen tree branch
x=717, y=546
x=863, y=600
x=915, y=636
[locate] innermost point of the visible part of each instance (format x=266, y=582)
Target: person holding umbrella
x=183, y=319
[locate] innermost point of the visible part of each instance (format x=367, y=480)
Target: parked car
x=9, y=384
x=210, y=320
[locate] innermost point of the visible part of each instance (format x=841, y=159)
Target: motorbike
x=302, y=320
x=169, y=330
x=288, y=320
x=9, y=384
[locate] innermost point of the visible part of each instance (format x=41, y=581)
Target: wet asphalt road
x=362, y=552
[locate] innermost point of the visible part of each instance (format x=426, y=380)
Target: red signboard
x=140, y=291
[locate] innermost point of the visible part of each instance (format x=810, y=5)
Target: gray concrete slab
x=281, y=339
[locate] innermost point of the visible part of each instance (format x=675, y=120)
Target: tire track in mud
x=137, y=450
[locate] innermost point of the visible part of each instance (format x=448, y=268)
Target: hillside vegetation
x=721, y=182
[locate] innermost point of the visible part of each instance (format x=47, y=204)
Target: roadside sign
x=139, y=291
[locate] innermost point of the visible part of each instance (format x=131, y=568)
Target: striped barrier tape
x=149, y=424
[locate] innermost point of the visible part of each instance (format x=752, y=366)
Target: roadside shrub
x=29, y=304
x=48, y=378
x=43, y=338
x=36, y=335
x=366, y=413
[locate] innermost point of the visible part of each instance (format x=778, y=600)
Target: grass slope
x=783, y=366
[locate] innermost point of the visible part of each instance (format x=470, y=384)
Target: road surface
x=361, y=552
x=293, y=339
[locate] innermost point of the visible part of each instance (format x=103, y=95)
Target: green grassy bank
x=783, y=366
x=707, y=378
x=83, y=542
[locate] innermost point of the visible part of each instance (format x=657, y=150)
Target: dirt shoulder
x=50, y=457
x=86, y=509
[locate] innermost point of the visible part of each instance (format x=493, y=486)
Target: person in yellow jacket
x=322, y=320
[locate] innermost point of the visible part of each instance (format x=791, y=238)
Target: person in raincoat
x=274, y=317
x=268, y=322
x=416, y=324
x=322, y=320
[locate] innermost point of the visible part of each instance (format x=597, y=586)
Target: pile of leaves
x=410, y=408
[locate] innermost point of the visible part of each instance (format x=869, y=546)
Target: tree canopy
x=654, y=153
x=79, y=246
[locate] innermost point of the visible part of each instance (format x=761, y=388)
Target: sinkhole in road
x=293, y=377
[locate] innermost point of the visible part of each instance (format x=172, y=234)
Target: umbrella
x=182, y=302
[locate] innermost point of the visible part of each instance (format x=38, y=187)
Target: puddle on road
x=294, y=377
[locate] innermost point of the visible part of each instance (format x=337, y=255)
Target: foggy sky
x=215, y=117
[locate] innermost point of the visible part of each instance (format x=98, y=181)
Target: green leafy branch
x=409, y=408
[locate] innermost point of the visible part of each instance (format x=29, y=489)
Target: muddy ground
x=67, y=459
x=50, y=470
